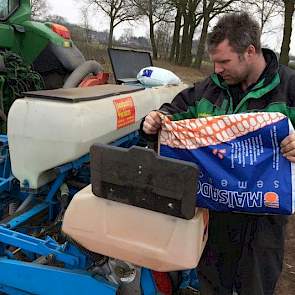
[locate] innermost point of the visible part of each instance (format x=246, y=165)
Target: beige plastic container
x=142, y=237
x=44, y=133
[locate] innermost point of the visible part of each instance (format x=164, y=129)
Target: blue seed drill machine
x=64, y=232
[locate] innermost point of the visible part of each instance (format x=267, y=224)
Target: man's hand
x=152, y=123
x=288, y=147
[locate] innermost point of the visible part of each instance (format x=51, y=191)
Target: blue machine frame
x=20, y=277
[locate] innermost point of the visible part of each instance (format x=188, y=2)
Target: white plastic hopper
x=52, y=127
x=142, y=237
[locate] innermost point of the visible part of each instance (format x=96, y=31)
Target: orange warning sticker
x=125, y=111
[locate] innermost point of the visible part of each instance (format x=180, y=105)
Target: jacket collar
x=265, y=78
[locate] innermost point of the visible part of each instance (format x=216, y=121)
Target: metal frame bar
x=48, y=202
x=38, y=246
x=5, y=183
x=32, y=278
x=5, y=177
x=147, y=282
x=17, y=221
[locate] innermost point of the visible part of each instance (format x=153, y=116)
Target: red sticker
x=125, y=111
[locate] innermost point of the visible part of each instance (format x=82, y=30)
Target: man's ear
x=251, y=51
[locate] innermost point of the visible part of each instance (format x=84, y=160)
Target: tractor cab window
x=7, y=7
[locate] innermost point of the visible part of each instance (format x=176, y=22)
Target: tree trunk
x=152, y=38
x=152, y=32
x=202, y=42
x=178, y=44
x=177, y=53
x=192, y=27
x=285, y=48
x=110, y=41
x=184, y=40
x=175, y=41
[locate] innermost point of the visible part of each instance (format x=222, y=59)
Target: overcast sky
x=70, y=9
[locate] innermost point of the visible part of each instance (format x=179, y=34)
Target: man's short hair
x=239, y=29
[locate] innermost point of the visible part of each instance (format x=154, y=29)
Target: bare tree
x=40, y=9
x=211, y=8
x=156, y=11
x=192, y=19
x=163, y=38
x=175, y=46
x=127, y=35
x=266, y=10
x=85, y=23
x=285, y=48
x=117, y=10
x=187, y=18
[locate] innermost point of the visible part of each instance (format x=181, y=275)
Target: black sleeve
x=181, y=101
x=287, y=90
x=291, y=90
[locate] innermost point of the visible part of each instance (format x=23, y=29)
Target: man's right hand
x=152, y=123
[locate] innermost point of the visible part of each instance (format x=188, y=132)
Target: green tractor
x=36, y=56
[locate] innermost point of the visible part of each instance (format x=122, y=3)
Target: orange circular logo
x=271, y=199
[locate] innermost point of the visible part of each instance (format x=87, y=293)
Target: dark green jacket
x=274, y=92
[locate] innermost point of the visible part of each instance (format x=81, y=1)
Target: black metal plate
x=74, y=95
x=139, y=177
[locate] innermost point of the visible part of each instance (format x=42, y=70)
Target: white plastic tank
x=52, y=127
x=142, y=237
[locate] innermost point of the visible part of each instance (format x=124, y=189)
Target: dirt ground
x=286, y=284
x=187, y=75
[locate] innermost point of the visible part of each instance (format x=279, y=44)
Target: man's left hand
x=288, y=147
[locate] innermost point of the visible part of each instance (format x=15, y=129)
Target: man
x=244, y=252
